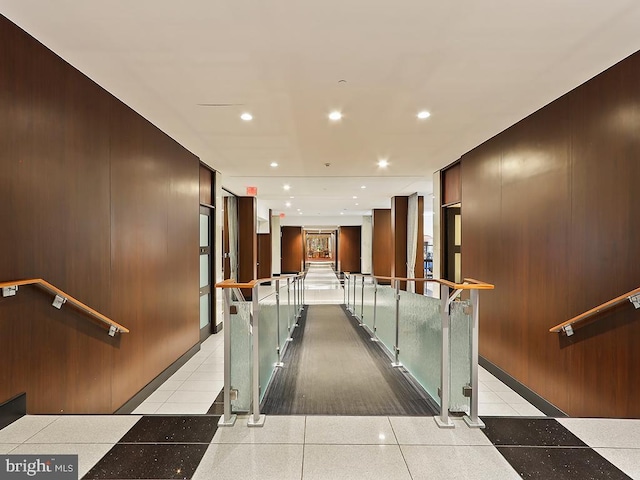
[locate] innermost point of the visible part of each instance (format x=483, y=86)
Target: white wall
x=366, y=252
x=275, y=246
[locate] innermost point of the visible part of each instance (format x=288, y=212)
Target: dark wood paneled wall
x=349, y=248
x=206, y=185
x=102, y=204
x=291, y=249
x=451, y=184
x=381, y=242
x=264, y=255
x=247, y=241
x=550, y=214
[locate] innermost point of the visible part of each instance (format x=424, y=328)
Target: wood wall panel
x=247, y=239
x=399, y=211
x=451, y=184
x=264, y=255
x=206, y=184
x=381, y=253
x=291, y=249
x=349, y=248
x=550, y=215
x=105, y=206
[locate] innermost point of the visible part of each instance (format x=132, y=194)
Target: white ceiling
x=477, y=66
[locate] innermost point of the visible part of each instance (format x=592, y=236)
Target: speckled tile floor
x=324, y=447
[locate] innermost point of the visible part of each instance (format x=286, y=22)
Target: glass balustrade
x=420, y=340
x=386, y=316
x=241, y=367
x=368, y=308
x=411, y=322
x=460, y=355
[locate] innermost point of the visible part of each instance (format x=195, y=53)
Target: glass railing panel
x=241, y=367
x=460, y=351
x=386, y=316
x=268, y=338
x=285, y=315
x=357, y=301
x=367, y=309
x=420, y=340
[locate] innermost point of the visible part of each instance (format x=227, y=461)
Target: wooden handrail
x=600, y=308
x=52, y=288
x=229, y=283
x=470, y=283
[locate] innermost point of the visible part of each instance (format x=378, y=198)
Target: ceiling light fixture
x=287, y=187
x=354, y=197
x=363, y=187
x=288, y=204
x=273, y=164
x=423, y=114
x=335, y=115
x=383, y=163
x=246, y=116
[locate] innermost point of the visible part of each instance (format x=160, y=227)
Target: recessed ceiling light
x=292, y=196
x=357, y=204
x=423, y=114
x=335, y=115
x=363, y=187
x=354, y=197
x=246, y=116
x=383, y=163
x=273, y=164
x=341, y=213
x=300, y=213
x=298, y=209
x=288, y=204
x=287, y=187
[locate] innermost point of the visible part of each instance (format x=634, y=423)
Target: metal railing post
x=396, y=348
x=227, y=420
x=348, y=290
x=355, y=281
x=375, y=308
x=279, y=364
x=362, y=303
x=289, y=305
x=255, y=419
x=443, y=420
x=472, y=419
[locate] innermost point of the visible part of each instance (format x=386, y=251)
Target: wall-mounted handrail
x=633, y=294
x=113, y=326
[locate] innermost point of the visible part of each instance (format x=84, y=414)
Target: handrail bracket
x=9, y=291
x=568, y=330
x=635, y=299
x=58, y=301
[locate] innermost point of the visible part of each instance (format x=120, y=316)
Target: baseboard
x=153, y=385
x=218, y=328
x=525, y=392
x=13, y=409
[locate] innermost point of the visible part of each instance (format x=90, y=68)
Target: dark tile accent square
x=535, y=432
x=172, y=429
x=145, y=461
x=560, y=463
x=220, y=397
x=217, y=407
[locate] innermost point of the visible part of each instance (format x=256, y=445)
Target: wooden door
x=291, y=249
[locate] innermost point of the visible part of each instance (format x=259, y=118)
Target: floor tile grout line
x=304, y=447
